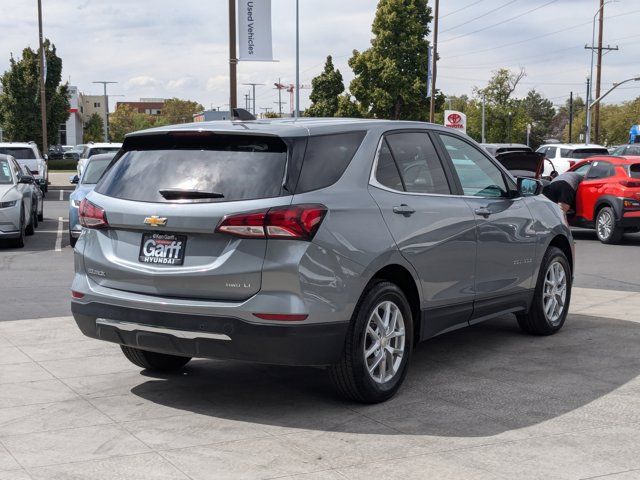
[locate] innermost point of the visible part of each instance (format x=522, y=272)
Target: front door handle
x=483, y=212
x=403, y=209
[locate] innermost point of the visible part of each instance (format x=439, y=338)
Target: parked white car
x=562, y=156
x=92, y=149
x=27, y=154
x=17, y=213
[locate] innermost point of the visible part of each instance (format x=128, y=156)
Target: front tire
x=31, y=228
x=606, y=228
x=552, y=296
x=72, y=240
x=377, y=347
x=19, y=242
x=160, y=362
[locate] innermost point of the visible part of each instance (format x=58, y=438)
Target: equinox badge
x=155, y=221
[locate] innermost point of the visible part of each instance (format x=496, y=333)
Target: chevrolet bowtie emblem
x=155, y=221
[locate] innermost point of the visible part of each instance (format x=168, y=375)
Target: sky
x=165, y=48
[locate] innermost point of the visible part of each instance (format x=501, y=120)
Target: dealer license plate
x=162, y=248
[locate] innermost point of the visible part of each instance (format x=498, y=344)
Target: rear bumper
x=212, y=337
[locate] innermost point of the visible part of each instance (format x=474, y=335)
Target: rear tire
x=382, y=318
x=606, y=226
x=543, y=318
x=72, y=240
x=160, y=362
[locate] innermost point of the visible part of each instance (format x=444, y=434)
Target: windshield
x=588, y=152
x=237, y=167
x=101, y=150
x=19, y=153
x=94, y=171
x=5, y=173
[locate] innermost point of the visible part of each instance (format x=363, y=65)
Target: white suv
x=563, y=156
x=92, y=149
x=27, y=154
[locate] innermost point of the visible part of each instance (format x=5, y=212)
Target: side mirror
x=74, y=179
x=529, y=187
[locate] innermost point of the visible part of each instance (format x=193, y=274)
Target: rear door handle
x=403, y=210
x=483, y=212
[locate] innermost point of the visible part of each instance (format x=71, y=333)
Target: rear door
x=506, y=236
x=434, y=230
x=592, y=187
x=161, y=238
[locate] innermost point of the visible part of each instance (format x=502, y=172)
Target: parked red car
x=608, y=199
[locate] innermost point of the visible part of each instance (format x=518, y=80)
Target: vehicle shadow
x=627, y=239
x=482, y=381
x=44, y=238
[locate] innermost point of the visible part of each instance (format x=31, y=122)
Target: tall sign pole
x=297, y=111
x=43, y=93
x=434, y=60
x=233, y=60
x=106, y=108
x=596, y=132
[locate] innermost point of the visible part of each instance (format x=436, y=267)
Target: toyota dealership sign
x=454, y=119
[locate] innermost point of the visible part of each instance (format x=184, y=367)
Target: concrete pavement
x=487, y=402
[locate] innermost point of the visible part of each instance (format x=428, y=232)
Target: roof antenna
x=242, y=115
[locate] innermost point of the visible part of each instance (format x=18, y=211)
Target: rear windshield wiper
x=178, y=194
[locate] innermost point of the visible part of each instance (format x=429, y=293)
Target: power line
x=480, y=16
x=501, y=22
x=460, y=9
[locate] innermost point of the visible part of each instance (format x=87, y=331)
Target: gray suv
x=338, y=243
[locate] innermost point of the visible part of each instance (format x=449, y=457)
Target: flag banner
x=454, y=119
x=254, y=31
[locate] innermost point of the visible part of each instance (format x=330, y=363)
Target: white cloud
x=182, y=83
x=142, y=81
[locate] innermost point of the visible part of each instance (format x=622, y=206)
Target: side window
x=600, y=170
x=326, y=159
x=387, y=171
x=418, y=163
x=565, y=152
x=551, y=152
x=478, y=175
x=583, y=169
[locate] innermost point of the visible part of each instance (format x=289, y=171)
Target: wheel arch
x=563, y=243
x=608, y=201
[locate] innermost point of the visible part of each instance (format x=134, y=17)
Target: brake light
x=91, y=215
x=75, y=294
x=630, y=183
x=295, y=222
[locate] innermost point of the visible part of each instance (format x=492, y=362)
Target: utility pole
x=247, y=99
x=279, y=88
x=106, y=109
x=43, y=93
x=484, y=101
x=434, y=62
x=253, y=85
x=233, y=61
x=571, y=117
x=265, y=111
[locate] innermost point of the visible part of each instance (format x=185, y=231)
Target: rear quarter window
x=634, y=170
x=326, y=158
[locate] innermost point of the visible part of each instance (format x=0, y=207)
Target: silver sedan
x=16, y=203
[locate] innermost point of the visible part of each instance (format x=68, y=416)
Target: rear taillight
x=571, y=163
x=91, y=215
x=630, y=183
x=295, y=222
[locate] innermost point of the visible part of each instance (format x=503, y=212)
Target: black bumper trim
x=311, y=345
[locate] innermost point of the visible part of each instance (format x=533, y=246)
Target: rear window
x=237, y=167
x=94, y=171
x=326, y=159
x=19, y=153
x=634, y=170
x=101, y=150
x=588, y=152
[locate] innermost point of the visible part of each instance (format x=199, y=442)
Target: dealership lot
x=483, y=403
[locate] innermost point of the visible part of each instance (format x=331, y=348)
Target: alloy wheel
x=554, y=295
x=605, y=224
x=384, y=345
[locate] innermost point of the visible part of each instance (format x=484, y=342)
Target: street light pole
x=434, y=62
x=106, y=109
x=233, y=61
x=615, y=85
x=253, y=85
x=297, y=110
x=43, y=93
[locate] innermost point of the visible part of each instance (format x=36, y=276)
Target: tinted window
x=478, y=175
x=238, y=167
x=418, y=163
x=551, y=152
x=588, y=152
x=387, y=171
x=100, y=150
x=632, y=150
x=5, y=173
x=634, y=170
x=94, y=171
x=19, y=153
x=583, y=169
x=565, y=152
x=600, y=170
x=326, y=159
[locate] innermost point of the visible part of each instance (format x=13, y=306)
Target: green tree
x=176, y=110
x=93, y=130
x=126, y=120
x=390, y=76
x=348, y=107
x=327, y=88
x=20, y=100
x=540, y=113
